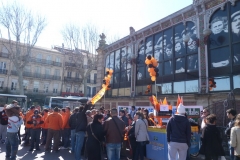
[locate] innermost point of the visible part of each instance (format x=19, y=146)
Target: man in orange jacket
x=35, y=120
x=44, y=126
x=66, y=128
x=55, y=123
x=28, y=126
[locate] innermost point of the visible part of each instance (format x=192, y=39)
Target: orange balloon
x=147, y=61
x=153, y=78
x=154, y=62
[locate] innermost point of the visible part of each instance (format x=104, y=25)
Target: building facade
x=195, y=44
x=46, y=74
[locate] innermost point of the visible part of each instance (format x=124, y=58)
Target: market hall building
x=196, y=44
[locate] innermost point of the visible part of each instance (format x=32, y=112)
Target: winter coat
x=179, y=130
x=93, y=145
x=141, y=132
x=235, y=140
x=81, y=123
x=211, y=141
x=72, y=121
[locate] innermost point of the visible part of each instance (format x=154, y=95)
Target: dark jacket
x=229, y=127
x=125, y=120
x=93, y=145
x=211, y=141
x=131, y=132
x=81, y=119
x=72, y=121
x=179, y=130
x=113, y=133
x=3, y=118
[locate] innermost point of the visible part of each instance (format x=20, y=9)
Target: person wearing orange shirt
x=28, y=126
x=44, y=126
x=66, y=128
x=55, y=124
x=35, y=120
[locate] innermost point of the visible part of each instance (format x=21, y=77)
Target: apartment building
x=48, y=73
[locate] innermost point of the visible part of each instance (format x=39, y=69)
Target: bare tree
x=23, y=31
x=82, y=42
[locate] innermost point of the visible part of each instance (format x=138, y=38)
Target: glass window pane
x=139, y=90
x=121, y=92
x=114, y=92
x=179, y=87
x=222, y=84
x=165, y=88
x=127, y=91
x=123, y=59
x=236, y=51
x=192, y=63
x=167, y=41
x=141, y=55
x=117, y=61
x=219, y=27
x=180, y=65
x=107, y=63
x=168, y=67
x=158, y=47
x=235, y=21
x=219, y=57
x=236, y=81
x=192, y=43
x=149, y=46
x=111, y=66
x=191, y=86
x=140, y=73
x=123, y=76
x=116, y=77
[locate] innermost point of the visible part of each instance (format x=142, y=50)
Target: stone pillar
x=101, y=61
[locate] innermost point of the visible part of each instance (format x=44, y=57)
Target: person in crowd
x=62, y=112
x=130, y=119
x=139, y=109
x=211, y=141
x=235, y=138
x=95, y=138
x=151, y=119
x=19, y=134
x=133, y=111
x=123, y=117
x=55, y=122
x=35, y=120
x=3, y=124
x=14, y=122
x=66, y=128
x=81, y=125
x=114, y=131
x=178, y=134
x=145, y=114
x=141, y=135
x=44, y=126
x=132, y=138
x=94, y=111
x=205, y=113
x=72, y=123
x=231, y=114
x=89, y=116
x=107, y=115
x=28, y=126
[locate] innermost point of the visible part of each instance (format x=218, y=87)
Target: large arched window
x=224, y=47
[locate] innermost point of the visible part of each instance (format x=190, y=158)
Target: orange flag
x=178, y=100
x=182, y=99
x=160, y=102
x=165, y=101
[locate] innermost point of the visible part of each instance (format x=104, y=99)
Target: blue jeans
x=79, y=144
x=73, y=140
x=11, y=145
x=231, y=151
x=113, y=151
x=66, y=136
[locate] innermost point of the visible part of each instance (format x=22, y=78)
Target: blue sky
x=113, y=17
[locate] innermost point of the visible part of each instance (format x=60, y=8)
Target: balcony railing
x=68, y=64
x=92, y=81
x=44, y=61
x=3, y=71
x=38, y=75
x=40, y=92
x=72, y=79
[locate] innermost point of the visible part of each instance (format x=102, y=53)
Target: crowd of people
x=86, y=130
